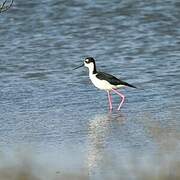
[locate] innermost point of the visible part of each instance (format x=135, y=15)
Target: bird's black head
x=89, y=60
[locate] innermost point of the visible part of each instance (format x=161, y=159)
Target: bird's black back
x=112, y=79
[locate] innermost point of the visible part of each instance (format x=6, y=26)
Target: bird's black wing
x=112, y=79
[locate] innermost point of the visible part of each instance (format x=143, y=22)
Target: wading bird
x=105, y=81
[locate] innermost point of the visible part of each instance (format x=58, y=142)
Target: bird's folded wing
x=112, y=79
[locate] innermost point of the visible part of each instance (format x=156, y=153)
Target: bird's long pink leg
x=122, y=96
x=110, y=100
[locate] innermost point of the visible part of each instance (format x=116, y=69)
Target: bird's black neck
x=94, y=70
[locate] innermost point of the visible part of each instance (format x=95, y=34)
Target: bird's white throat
x=90, y=66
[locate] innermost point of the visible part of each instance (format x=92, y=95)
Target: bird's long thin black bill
x=79, y=66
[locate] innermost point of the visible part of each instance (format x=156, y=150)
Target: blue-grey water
x=57, y=112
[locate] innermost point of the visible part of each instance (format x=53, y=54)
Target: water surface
x=57, y=112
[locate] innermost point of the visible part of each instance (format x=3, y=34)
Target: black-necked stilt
x=105, y=81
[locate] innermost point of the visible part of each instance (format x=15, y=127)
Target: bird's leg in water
x=122, y=96
x=110, y=100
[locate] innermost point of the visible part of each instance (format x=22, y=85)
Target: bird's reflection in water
x=100, y=128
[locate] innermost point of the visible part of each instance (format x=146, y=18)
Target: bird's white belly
x=102, y=84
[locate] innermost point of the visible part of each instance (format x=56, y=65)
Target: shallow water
x=57, y=112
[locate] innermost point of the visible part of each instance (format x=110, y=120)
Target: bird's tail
x=129, y=85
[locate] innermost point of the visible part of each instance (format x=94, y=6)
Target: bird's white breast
x=101, y=84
